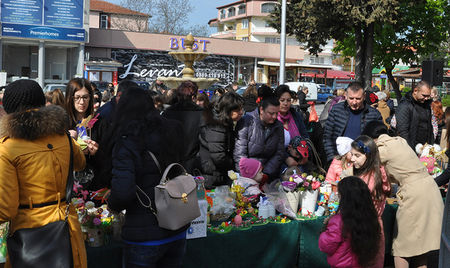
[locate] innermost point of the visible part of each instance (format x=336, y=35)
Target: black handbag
x=48, y=245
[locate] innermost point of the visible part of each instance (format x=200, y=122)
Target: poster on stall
x=198, y=226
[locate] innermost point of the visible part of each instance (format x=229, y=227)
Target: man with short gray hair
x=348, y=118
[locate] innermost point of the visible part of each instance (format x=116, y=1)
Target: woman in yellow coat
x=34, y=164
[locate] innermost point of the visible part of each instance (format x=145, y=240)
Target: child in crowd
x=367, y=166
x=340, y=162
x=353, y=235
x=299, y=149
x=250, y=177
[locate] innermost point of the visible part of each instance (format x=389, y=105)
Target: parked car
x=313, y=89
x=241, y=90
x=101, y=85
x=50, y=87
x=324, y=93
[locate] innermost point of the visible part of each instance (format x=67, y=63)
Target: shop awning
x=331, y=74
x=288, y=64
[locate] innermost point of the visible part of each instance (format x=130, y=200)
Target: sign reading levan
x=43, y=19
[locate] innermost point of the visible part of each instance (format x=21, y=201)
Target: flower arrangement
x=91, y=216
x=303, y=182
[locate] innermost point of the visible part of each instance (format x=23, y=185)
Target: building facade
x=43, y=40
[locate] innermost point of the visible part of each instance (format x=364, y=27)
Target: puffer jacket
x=34, y=164
x=337, y=121
x=216, y=150
x=189, y=115
x=408, y=119
x=252, y=142
x=338, y=249
x=133, y=166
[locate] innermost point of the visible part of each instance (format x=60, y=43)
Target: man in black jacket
x=414, y=116
x=348, y=118
x=301, y=93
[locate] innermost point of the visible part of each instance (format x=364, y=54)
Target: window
x=245, y=39
x=231, y=12
x=245, y=24
x=104, y=21
x=272, y=40
x=267, y=8
x=222, y=14
x=241, y=10
x=317, y=60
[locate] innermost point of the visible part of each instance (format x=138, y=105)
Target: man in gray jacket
x=260, y=136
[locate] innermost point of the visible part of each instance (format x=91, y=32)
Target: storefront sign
x=43, y=19
x=41, y=32
x=175, y=44
x=149, y=65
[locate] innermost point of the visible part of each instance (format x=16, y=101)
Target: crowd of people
x=360, y=144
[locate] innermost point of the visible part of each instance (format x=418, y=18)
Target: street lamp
x=283, y=42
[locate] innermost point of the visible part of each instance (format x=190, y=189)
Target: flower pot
x=308, y=201
x=95, y=237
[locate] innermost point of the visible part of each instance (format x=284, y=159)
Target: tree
x=420, y=30
x=314, y=22
x=167, y=16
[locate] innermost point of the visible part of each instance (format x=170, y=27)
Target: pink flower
x=305, y=184
x=315, y=185
x=97, y=221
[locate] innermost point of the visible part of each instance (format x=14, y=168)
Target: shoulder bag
x=175, y=197
x=48, y=245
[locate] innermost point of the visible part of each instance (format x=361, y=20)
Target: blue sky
x=203, y=10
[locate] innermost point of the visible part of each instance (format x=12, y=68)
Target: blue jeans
x=166, y=255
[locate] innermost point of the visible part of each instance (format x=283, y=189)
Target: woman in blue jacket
x=138, y=128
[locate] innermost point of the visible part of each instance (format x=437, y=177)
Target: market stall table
x=271, y=245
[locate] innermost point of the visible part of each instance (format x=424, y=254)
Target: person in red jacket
x=352, y=236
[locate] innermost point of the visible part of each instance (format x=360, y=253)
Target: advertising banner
x=43, y=19
x=147, y=65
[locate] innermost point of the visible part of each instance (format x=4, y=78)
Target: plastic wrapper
x=223, y=203
x=277, y=196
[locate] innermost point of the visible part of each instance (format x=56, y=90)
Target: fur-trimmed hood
x=36, y=123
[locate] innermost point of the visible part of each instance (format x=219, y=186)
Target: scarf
x=292, y=127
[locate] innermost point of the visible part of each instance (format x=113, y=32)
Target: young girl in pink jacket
x=352, y=236
x=340, y=162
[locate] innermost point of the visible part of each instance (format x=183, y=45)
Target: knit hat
x=344, y=145
x=21, y=95
x=249, y=167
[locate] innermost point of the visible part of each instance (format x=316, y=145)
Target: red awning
x=331, y=74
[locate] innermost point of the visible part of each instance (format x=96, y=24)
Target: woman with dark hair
x=138, y=129
x=292, y=121
x=217, y=138
x=250, y=96
x=260, y=135
x=34, y=166
x=419, y=199
x=202, y=100
x=366, y=165
x=55, y=96
x=80, y=106
x=189, y=115
x=352, y=236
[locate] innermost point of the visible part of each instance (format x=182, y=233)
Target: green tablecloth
x=272, y=245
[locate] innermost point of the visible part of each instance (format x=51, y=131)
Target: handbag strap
x=155, y=160
x=139, y=189
x=168, y=169
x=69, y=184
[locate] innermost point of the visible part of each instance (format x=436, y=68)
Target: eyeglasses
x=78, y=98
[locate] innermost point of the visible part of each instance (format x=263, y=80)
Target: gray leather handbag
x=175, y=197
